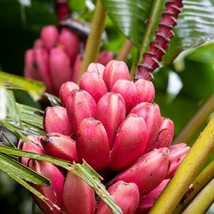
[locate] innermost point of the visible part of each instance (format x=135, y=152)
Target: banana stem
x=151, y=26
x=196, y=121
x=199, y=183
x=187, y=171
x=202, y=201
x=93, y=42
x=125, y=50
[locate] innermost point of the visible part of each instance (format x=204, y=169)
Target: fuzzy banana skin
x=49, y=36
x=96, y=67
x=60, y=146
x=128, y=91
x=152, y=116
x=93, y=83
x=60, y=68
x=78, y=197
x=56, y=120
x=111, y=112
x=145, y=91
x=114, y=71
x=125, y=195
x=65, y=89
x=147, y=201
x=130, y=142
x=165, y=135
x=92, y=143
x=148, y=171
x=70, y=43
x=178, y=153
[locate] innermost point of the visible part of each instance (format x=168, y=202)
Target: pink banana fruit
x=60, y=146
x=125, y=195
x=96, y=67
x=129, y=143
x=152, y=116
x=145, y=91
x=111, y=112
x=42, y=65
x=178, y=153
x=76, y=67
x=114, y=71
x=104, y=57
x=147, y=201
x=54, y=191
x=80, y=106
x=38, y=43
x=49, y=35
x=93, y=83
x=78, y=196
x=165, y=135
x=128, y=91
x=148, y=171
x=30, y=69
x=92, y=143
x=60, y=68
x=65, y=89
x=56, y=120
x=34, y=145
x=70, y=42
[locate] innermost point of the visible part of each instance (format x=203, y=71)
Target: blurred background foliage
x=181, y=87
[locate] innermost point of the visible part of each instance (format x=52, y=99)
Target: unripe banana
x=56, y=120
x=125, y=195
x=165, y=135
x=80, y=106
x=60, y=146
x=129, y=143
x=93, y=83
x=111, y=112
x=60, y=68
x=145, y=91
x=148, y=171
x=78, y=197
x=114, y=71
x=147, y=201
x=65, y=89
x=49, y=36
x=92, y=143
x=152, y=116
x=128, y=91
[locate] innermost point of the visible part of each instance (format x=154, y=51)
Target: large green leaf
x=195, y=23
x=129, y=16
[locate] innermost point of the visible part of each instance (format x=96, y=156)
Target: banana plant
x=138, y=25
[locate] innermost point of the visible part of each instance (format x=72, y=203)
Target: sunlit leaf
x=35, y=88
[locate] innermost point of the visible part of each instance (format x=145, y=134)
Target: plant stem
x=196, y=121
x=151, y=26
x=93, y=42
x=202, y=201
x=125, y=50
x=199, y=182
x=190, y=167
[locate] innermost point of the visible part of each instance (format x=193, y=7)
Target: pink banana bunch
x=113, y=124
x=56, y=58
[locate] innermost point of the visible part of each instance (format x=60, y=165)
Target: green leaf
x=129, y=17
x=35, y=88
x=11, y=166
